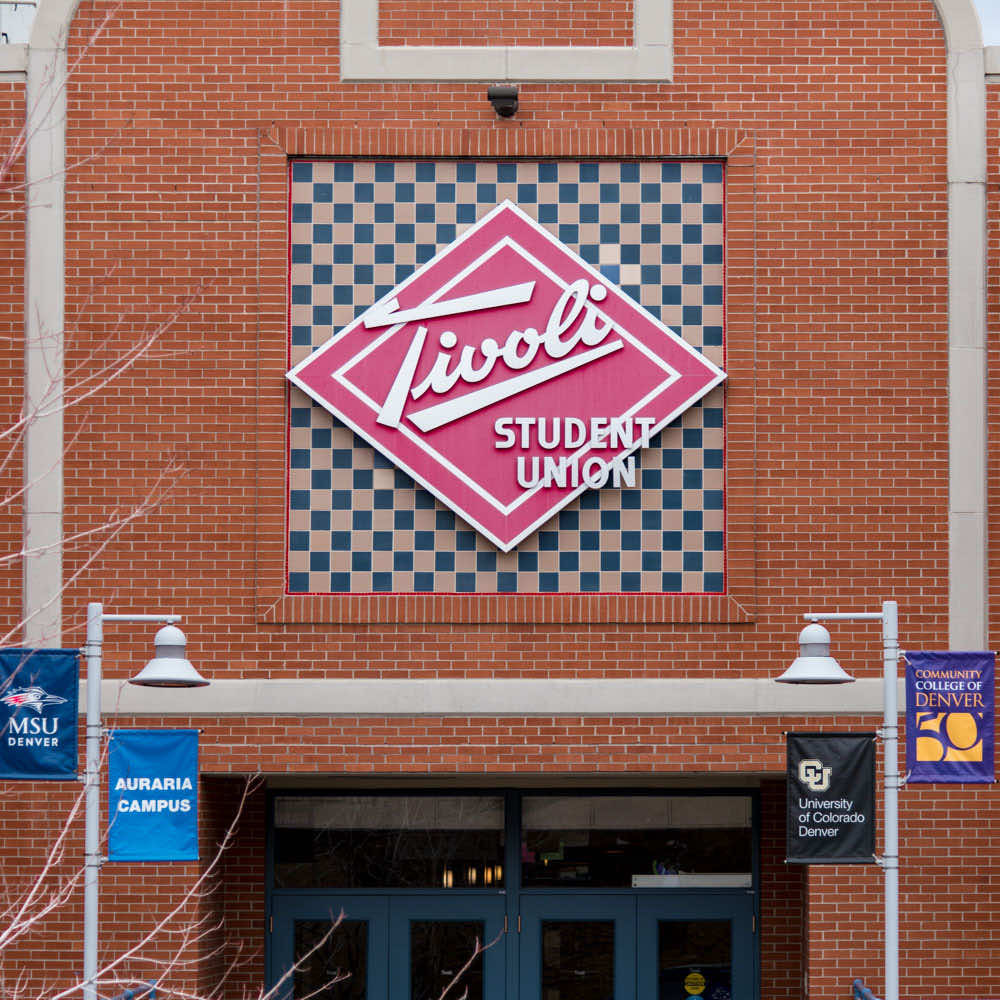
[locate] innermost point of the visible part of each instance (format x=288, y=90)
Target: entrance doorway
x=528, y=902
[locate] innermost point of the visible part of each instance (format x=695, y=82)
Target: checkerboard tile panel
x=358, y=525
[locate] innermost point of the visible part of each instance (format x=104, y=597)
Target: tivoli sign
x=507, y=376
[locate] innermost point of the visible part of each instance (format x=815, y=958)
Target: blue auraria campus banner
x=39, y=704
x=153, y=795
x=950, y=717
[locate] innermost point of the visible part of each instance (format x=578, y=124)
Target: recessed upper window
x=647, y=54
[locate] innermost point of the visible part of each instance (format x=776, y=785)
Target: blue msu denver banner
x=153, y=795
x=949, y=717
x=39, y=704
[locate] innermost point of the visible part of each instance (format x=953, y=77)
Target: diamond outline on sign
x=505, y=509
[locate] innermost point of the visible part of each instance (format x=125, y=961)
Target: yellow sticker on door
x=694, y=983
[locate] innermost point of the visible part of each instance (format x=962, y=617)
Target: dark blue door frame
x=636, y=917
x=290, y=909
x=569, y=906
x=489, y=909
x=734, y=906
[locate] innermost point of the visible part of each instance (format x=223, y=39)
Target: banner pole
x=92, y=788
x=890, y=736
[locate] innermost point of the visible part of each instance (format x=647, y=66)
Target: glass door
x=405, y=947
x=311, y=957
x=696, y=946
x=578, y=946
x=447, y=943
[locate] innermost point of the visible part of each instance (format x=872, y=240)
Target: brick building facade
x=805, y=193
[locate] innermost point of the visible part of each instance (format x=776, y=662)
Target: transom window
x=439, y=842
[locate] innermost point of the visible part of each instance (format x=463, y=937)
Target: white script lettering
x=573, y=322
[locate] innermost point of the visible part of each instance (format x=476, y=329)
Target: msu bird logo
x=31, y=697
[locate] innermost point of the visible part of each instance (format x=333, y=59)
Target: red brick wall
x=846, y=235
x=233, y=831
x=783, y=939
x=508, y=22
x=45, y=835
x=180, y=122
x=512, y=748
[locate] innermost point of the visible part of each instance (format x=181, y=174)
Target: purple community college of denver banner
x=949, y=717
x=39, y=703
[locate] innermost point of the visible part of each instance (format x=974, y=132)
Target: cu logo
x=814, y=775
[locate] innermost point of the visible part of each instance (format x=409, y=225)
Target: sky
x=989, y=14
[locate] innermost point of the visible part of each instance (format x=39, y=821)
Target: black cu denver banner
x=831, y=798
x=39, y=703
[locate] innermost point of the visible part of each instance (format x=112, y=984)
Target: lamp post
x=814, y=665
x=168, y=668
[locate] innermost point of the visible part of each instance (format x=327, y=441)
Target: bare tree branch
x=456, y=979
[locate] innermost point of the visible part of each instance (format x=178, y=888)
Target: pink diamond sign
x=507, y=376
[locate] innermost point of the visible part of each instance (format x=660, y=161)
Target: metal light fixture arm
x=889, y=617
x=93, y=859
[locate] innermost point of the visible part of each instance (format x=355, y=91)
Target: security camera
x=503, y=97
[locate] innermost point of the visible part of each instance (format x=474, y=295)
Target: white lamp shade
x=814, y=664
x=169, y=667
